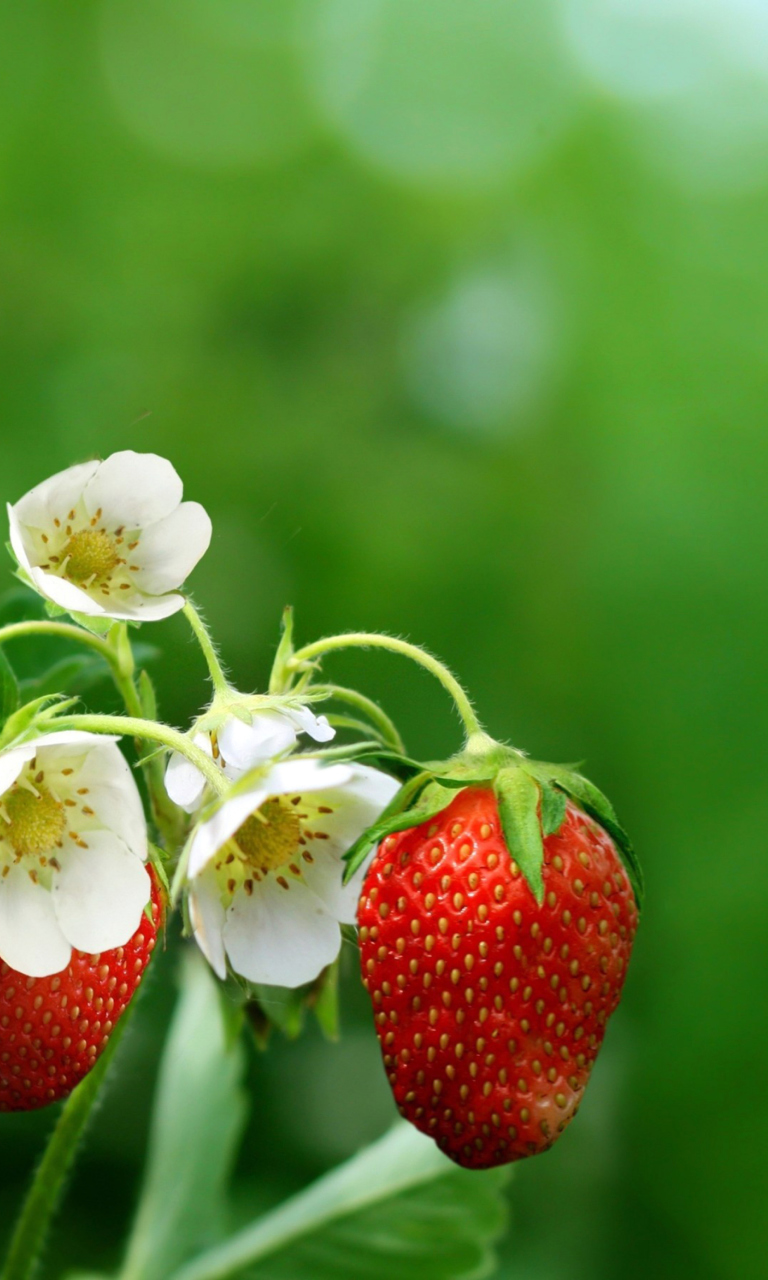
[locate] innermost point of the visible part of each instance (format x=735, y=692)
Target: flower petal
x=12, y=762
x=170, y=548
x=55, y=496
x=31, y=940
x=207, y=915
x=324, y=876
x=141, y=608
x=316, y=726
x=100, y=893
x=281, y=937
x=213, y=833
x=113, y=795
x=70, y=738
x=304, y=774
x=66, y=594
x=18, y=542
x=243, y=746
x=354, y=808
x=133, y=489
x=184, y=783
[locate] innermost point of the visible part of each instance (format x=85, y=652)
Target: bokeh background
x=453, y=313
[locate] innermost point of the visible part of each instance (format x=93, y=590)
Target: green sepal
x=286, y=1008
x=433, y=798
x=10, y=695
x=281, y=1007
x=147, y=695
x=98, y=626
x=52, y=610
x=43, y=710
x=517, y=797
x=157, y=858
x=553, y=804
x=597, y=805
x=279, y=678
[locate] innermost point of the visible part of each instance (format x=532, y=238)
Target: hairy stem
x=151, y=731
x=369, y=708
x=67, y=630
x=215, y=669
x=372, y=640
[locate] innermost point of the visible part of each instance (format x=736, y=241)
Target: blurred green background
x=453, y=314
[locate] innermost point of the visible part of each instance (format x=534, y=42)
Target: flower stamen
x=37, y=821
x=91, y=554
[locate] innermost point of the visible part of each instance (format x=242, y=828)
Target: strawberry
x=53, y=1029
x=492, y=985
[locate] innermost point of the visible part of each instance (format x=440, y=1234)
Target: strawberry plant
x=496, y=899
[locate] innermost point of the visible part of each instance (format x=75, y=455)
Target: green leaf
x=433, y=799
x=592, y=800
x=20, y=604
x=397, y=1211
x=284, y=1007
x=517, y=796
x=198, y=1118
x=10, y=696
x=75, y=674
x=326, y=1001
x=553, y=805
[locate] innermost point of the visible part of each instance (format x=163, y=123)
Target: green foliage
x=198, y=1118
x=10, y=696
x=517, y=796
x=553, y=805
x=399, y=1209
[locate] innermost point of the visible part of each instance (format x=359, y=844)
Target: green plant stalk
x=372, y=640
x=123, y=666
x=48, y=1184
x=151, y=731
x=117, y=653
x=202, y=635
x=67, y=630
x=369, y=708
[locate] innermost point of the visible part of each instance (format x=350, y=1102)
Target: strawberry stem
x=202, y=635
x=374, y=640
x=151, y=731
x=369, y=708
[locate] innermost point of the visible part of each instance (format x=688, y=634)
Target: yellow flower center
x=36, y=822
x=268, y=838
x=91, y=553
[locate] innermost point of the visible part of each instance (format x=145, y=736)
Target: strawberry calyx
x=531, y=796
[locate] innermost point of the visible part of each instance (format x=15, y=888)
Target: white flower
x=238, y=746
x=73, y=841
x=110, y=539
x=265, y=871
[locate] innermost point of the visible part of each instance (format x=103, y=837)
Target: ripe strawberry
x=491, y=1006
x=53, y=1029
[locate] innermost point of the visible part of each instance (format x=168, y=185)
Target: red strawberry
x=52, y=1030
x=489, y=1007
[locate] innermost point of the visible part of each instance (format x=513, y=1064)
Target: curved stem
x=372, y=640
x=48, y=1184
x=357, y=726
x=215, y=669
x=45, y=627
x=153, y=732
x=369, y=708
